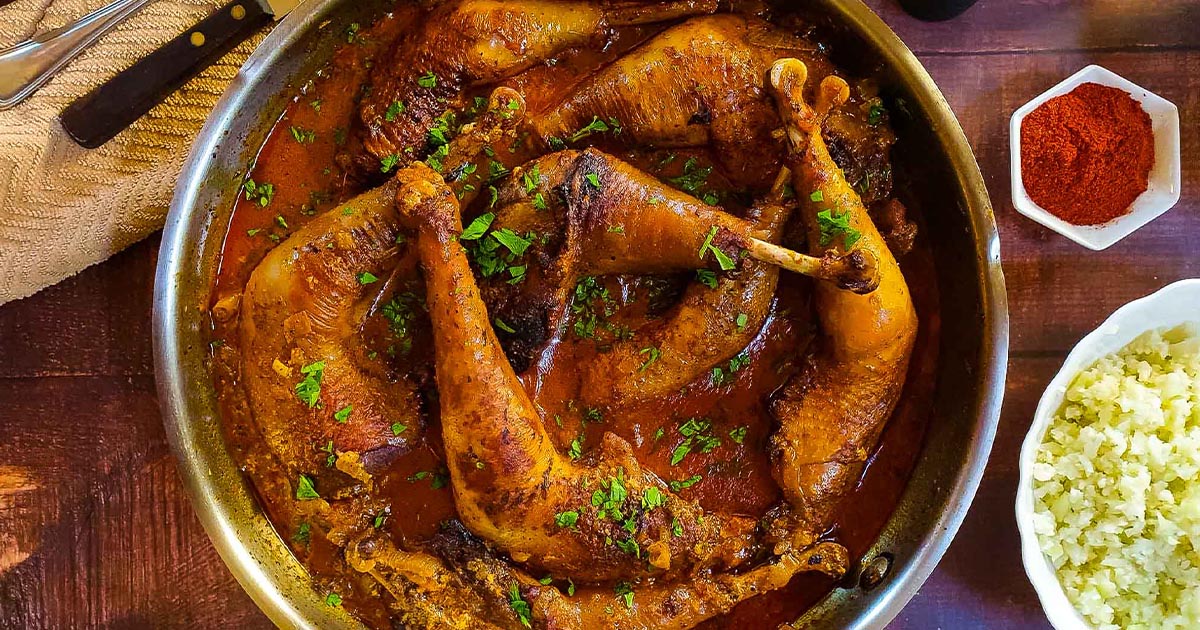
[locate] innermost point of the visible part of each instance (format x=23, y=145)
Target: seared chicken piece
x=457, y=583
x=312, y=391
x=703, y=330
x=467, y=43
x=301, y=312
x=698, y=83
x=602, y=227
x=831, y=413
x=603, y=519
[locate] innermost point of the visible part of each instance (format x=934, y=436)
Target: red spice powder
x=1087, y=155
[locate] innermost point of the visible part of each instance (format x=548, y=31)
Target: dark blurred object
x=935, y=10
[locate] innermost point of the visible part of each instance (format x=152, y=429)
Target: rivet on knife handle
x=104, y=112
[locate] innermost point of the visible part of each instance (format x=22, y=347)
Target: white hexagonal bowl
x=1170, y=306
x=1164, y=184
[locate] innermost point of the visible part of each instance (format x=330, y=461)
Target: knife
x=104, y=112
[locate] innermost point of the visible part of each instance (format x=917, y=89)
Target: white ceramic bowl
x=1173, y=305
x=1164, y=182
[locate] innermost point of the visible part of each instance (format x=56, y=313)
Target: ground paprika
x=1087, y=155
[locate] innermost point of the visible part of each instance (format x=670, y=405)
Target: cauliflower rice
x=1116, y=495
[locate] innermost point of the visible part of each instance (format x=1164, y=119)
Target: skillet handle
x=104, y=112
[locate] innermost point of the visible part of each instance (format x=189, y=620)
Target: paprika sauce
x=1086, y=155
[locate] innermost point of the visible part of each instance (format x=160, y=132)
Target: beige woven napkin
x=62, y=207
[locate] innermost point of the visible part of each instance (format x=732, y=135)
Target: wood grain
x=96, y=531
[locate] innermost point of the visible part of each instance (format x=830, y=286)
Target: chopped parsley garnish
x=676, y=486
x=630, y=546
x=333, y=599
x=352, y=32
x=380, y=518
x=741, y=320
x=875, y=114
x=513, y=241
x=262, y=194
x=331, y=456
x=503, y=326
x=652, y=354
x=695, y=432
x=738, y=435
x=253, y=231
x=616, y=229
x=281, y=221
x=308, y=390
x=707, y=277
x=496, y=170
x=587, y=291
x=546, y=581
x=739, y=361
x=625, y=592
x=343, y=414
x=694, y=176
x=539, y=202
x=570, y=588
x=676, y=528
x=575, y=451
x=566, y=519
x=427, y=80
x=388, y=163
x=519, y=606
x=303, y=533
x=835, y=225
x=393, y=110
x=486, y=251
x=398, y=428
x=495, y=196
x=478, y=227
x=437, y=480
x=367, y=277
x=652, y=498
x=817, y=196
x=305, y=491
x=303, y=136
x=531, y=178
x=399, y=313
x=593, y=180
x=596, y=126
x=723, y=260
x=658, y=434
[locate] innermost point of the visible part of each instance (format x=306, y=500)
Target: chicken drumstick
x=831, y=413
x=465, y=43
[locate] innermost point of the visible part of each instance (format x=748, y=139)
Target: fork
x=29, y=65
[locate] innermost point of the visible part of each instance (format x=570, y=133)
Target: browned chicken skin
x=458, y=583
x=706, y=78
x=301, y=311
x=301, y=315
x=465, y=43
x=604, y=519
x=830, y=415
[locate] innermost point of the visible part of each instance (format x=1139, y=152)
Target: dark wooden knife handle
x=99, y=115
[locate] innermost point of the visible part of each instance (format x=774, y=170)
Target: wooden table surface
x=95, y=529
